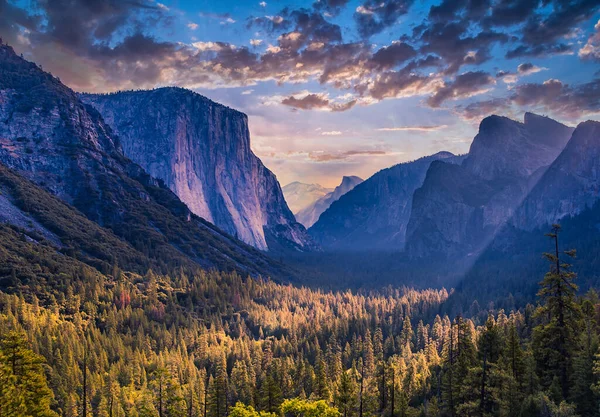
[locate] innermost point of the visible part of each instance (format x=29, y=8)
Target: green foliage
x=23, y=387
x=302, y=408
x=241, y=410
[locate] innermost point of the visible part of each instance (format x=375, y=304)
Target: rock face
x=201, y=150
x=459, y=208
x=374, y=215
x=48, y=135
x=569, y=186
x=309, y=215
x=299, y=195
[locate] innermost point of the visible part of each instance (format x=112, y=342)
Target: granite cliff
x=458, y=209
x=49, y=136
x=201, y=150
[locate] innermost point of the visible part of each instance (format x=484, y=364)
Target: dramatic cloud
x=554, y=96
x=465, y=85
x=591, y=50
x=373, y=16
x=474, y=112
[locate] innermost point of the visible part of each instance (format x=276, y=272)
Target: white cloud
x=255, y=42
x=192, y=25
x=275, y=19
x=331, y=133
x=247, y=92
x=263, y=4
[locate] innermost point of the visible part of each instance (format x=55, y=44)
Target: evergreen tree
x=583, y=377
x=555, y=338
x=23, y=387
x=346, y=396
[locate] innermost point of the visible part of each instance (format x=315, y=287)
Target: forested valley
x=76, y=342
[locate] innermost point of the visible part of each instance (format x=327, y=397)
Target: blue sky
x=331, y=87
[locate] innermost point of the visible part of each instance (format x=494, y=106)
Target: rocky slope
x=569, y=186
x=309, y=215
x=299, y=195
x=201, y=150
x=375, y=213
x=63, y=145
x=459, y=208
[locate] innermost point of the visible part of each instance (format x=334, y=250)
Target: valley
x=152, y=265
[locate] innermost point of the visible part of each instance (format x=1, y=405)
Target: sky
x=331, y=87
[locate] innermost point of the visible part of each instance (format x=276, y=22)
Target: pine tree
x=512, y=365
x=555, y=338
x=345, y=397
x=23, y=387
x=583, y=365
x=217, y=399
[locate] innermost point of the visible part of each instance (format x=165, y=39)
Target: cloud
x=223, y=18
x=528, y=68
x=555, y=96
x=478, y=110
x=263, y=4
x=465, y=85
x=591, y=50
x=308, y=102
x=256, y=42
x=312, y=101
x=192, y=25
x=412, y=128
x=391, y=56
x=340, y=156
x=373, y=16
x=331, y=133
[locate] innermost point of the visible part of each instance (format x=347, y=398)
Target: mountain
x=569, y=186
x=53, y=139
x=459, y=208
x=375, y=213
x=201, y=150
x=299, y=195
x=309, y=215
x=509, y=269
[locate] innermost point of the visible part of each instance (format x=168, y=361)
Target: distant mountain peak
x=310, y=214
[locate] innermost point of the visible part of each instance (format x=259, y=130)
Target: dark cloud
x=453, y=43
x=452, y=10
x=308, y=102
x=391, y=56
x=392, y=84
x=553, y=95
x=464, y=86
x=538, y=50
x=510, y=12
x=373, y=16
x=480, y=109
x=316, y=101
